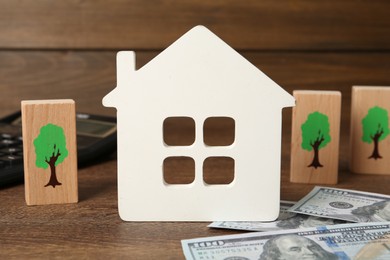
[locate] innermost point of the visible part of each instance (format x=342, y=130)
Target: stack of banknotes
x=327, y=223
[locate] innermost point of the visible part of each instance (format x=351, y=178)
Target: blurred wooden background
x=66, y=49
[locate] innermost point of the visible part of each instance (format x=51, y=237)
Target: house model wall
x=199, y=76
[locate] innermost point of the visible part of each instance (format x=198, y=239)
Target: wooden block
x=315, y=137
x=50, y=151
x=370, y=139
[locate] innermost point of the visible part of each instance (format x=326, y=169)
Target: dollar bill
x=344, y=241
x=349, y=205
x=286, y=220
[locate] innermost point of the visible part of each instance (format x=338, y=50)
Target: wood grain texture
x=66, y=49
x=50, y=152
x=315, y=136
x=137, y=24
x=370, y=144
x=93, y=229
x=87, y=76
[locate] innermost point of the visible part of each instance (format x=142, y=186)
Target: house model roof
x=199, y=61
x=198, y=77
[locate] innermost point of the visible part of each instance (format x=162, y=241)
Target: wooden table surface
x=66, y=49
x=93, y=229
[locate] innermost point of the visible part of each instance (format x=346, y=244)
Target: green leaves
x=315, y=131
x=50, y=144
x=375, y=125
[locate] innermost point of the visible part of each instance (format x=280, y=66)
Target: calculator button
x=10, y=160
x=6, y=136
x=6, y=143
x=8, y=131
x=11, y=150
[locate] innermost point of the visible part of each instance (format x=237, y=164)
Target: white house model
x=198, y=77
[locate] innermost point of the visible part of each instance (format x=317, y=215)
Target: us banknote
x=344, y=241
x=286, y=220
x=349, y=205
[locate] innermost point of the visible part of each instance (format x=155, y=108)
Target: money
x=286, y=220
x=349, y=205
x=344, y=241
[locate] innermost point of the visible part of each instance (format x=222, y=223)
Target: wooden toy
x=50, y=152
x=198, y=77
x=370, y=140
x=315, y=137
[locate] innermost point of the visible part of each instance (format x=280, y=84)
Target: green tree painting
x=375, y=128
x=315, y=135
x=50, y=150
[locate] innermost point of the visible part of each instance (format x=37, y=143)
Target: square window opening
x=219, y=131
x=179, y=170
x=218, y=170
x=179, y=131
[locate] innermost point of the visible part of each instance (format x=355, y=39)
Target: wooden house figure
x=198, y=77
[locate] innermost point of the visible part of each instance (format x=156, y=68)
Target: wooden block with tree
x=50, y=151
x=315, y=137
x=370, y=142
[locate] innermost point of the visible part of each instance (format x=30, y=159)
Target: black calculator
x=96, y=137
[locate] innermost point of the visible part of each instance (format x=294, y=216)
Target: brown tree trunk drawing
x=52, y=163
x=375, y=154
x=316, y=147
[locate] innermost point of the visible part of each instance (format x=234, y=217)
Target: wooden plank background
x=246, y=25
x=86, y=76
x=66, y=49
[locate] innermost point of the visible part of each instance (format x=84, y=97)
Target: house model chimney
x=125, y=66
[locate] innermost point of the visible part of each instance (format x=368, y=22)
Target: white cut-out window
x=219, y=131
x=179, y=131
x=218, y=170
x=179, y=170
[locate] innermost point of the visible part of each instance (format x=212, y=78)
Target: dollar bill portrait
x=293, y=247
x=303, y=221
x=377, y=212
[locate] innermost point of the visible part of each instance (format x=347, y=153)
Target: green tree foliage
x=375, y=128
x=50, y=150
x=315, y=135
